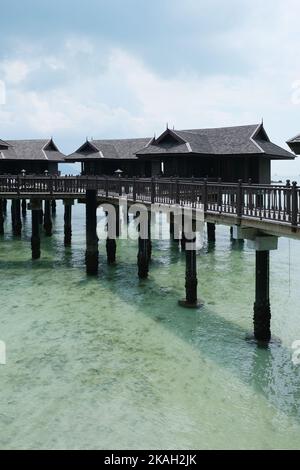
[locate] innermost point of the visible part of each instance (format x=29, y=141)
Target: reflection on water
x=113, y=362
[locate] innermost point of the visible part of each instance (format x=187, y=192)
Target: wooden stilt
x=1, y=218
x=92, y=253
x=144, y=249
x=53, y=207
x=24, y=208
x=111, y=248
x=4, y=206
x=211, y=232
x=47, y=219
x=35, y=207
x=191, y=282
x=262, y=309
x=16, y=217
x=68, y=222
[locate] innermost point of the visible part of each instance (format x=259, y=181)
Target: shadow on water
x=268, y=370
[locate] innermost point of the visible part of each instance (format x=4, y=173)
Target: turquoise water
x=112, y=362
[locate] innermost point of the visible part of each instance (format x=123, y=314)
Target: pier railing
x=277, y=203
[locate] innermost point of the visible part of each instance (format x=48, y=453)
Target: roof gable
x=35, y=149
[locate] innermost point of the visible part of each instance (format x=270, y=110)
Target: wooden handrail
x=272, y=202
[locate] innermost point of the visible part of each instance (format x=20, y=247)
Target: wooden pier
x=259, y=213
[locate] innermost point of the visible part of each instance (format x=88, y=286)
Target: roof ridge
x=191, y=131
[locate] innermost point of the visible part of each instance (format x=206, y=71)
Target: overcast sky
x=124, y=68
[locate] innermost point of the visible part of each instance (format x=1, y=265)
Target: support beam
x=262, y=310
x=53, y=207
x=149, y=247
x=144, y=245
x=68, y=203
x=4, y=206
x=143, y=258
x=92, y=253
x=24, y=208
x=111, y=248
x=1, y=218
x=172, y=225
x=211, y=232
x=118, y=225
x=191, y=282
x=183, y=238
x=35, y=207
x=16, y=217
x=48, y=219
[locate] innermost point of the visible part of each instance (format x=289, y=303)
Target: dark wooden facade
x=32, y=156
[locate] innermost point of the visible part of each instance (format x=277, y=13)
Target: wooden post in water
x=191, y=282
x=172, y=226
x=149, y=248
x=183, y=237
x=144, y=253
x=211, y=232
x=1, y=218
x=16, y=217
x=24, y=208
x=262, y=310
x=53, y=206
x=4, y=202
x=118, y=222
x=92, y=254
x=111, y=245
x=35, y=207
x=111, y=248
x=68, y=203
x=48, y=219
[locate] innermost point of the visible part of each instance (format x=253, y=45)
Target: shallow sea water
x=112, y=362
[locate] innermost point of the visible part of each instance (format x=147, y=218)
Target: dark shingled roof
x=114, y=149
x=294, y=144
x=237, y=140
x=44, y=149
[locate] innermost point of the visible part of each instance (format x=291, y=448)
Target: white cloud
x=15, y=71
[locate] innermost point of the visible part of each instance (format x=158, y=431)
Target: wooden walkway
x=271, y=208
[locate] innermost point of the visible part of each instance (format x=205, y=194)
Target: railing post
x=18, y=185
x=288, y=199
x=153, y=190
x=250, y=195
x=177, y=195
x=205, y=201
x=239, y=199
x=134, y=189
x=106, y=186
x=50, y=185
x=294, y=205
x=219, y=203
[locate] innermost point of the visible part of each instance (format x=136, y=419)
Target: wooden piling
x=48, y=219
x=68, y=222
x=111, y=248
x=35, y=207
x=53, y=207
x=211, y=232
x=262, y=309
x=24, y=208
x=191, y=282
x=1, y=218
x=144, y=247
x=4, y=203
x=16, y=217
x=92, y=253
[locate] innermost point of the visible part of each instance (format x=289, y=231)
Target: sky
x=124, y=68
